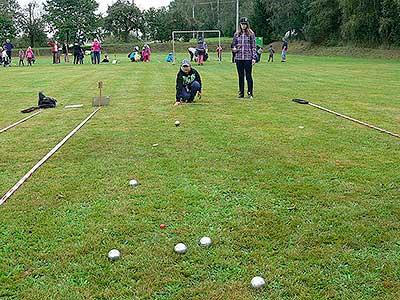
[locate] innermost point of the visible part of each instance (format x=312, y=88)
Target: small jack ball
x=162, y=226
x=177, y=123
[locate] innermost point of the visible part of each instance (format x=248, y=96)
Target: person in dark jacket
x=200, y=51
x=65, y=51
x=8, y=46
x=77, y=53
x=188, y=83
x=284, y=49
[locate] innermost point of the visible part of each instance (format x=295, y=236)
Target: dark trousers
x=271, y=58
x=55, y=59
x=245, y=67
x=187, y=95
x=76, y=58
x=96, y=57
x=9, y=55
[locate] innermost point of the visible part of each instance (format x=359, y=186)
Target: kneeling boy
x=188, y=83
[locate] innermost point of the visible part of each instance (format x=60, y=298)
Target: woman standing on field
x=244, y=47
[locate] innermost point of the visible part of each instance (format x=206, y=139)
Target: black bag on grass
x=30, y=109
x=46, y=102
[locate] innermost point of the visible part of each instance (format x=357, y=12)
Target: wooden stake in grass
x=45, y=158
x=20, y=121
x=101, y=91
x=301, y=101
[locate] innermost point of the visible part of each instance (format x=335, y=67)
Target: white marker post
x=45, y=158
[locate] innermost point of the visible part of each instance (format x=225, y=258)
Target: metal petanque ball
x=114, y=254
x=133, y=182
x=205, y=241
x=177, y=123
x=180, y=248
x=257, y=282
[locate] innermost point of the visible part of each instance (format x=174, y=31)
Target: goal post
x=194, y=32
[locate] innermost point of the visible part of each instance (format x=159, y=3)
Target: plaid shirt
x=246, y=46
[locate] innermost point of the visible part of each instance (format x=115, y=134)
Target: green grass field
x=313, y=210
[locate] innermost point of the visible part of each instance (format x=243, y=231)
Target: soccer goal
x=194, y=32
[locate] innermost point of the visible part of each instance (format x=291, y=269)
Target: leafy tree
x=156, y=24
x=361, y=21
x=389, y=22
x=70, y=19
x=123, y=18
x=8, y=15
x=324, y=20
x=261, y=19
x=32, y=25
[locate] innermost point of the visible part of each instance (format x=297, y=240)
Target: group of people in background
x=200, y=53
x=77, y=51
x=6, y=55
x=28, y=54
x=244, y=50
x=136, y=55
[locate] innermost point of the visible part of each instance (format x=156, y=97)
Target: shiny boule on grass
x=133, y=182
x=114, y=254
x=180, y=248
x=205, y=241
x=177, y=123
x=257, y=282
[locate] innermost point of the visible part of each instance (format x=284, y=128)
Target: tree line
x=369, y=23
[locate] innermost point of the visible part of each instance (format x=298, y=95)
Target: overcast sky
x=143, y=4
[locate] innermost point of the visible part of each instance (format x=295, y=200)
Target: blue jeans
x=96, y=58
x=245, y=66
x=188, y=95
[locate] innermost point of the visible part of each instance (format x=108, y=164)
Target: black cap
x=244, y=20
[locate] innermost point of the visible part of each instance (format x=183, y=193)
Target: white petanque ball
x=180, y=248
x=205, y=241
x=114, y=254
x=133, y=182
x=257, y=282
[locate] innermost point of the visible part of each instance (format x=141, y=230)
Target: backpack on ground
x=46, y=102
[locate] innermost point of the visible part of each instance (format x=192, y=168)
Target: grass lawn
x=313, y=210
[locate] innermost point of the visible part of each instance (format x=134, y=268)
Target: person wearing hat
x=188, y=83
x=200, y=51
x=244, y=47
x=170, y=57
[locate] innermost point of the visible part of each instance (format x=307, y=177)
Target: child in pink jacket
x=29, y=55
x=146, y=53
